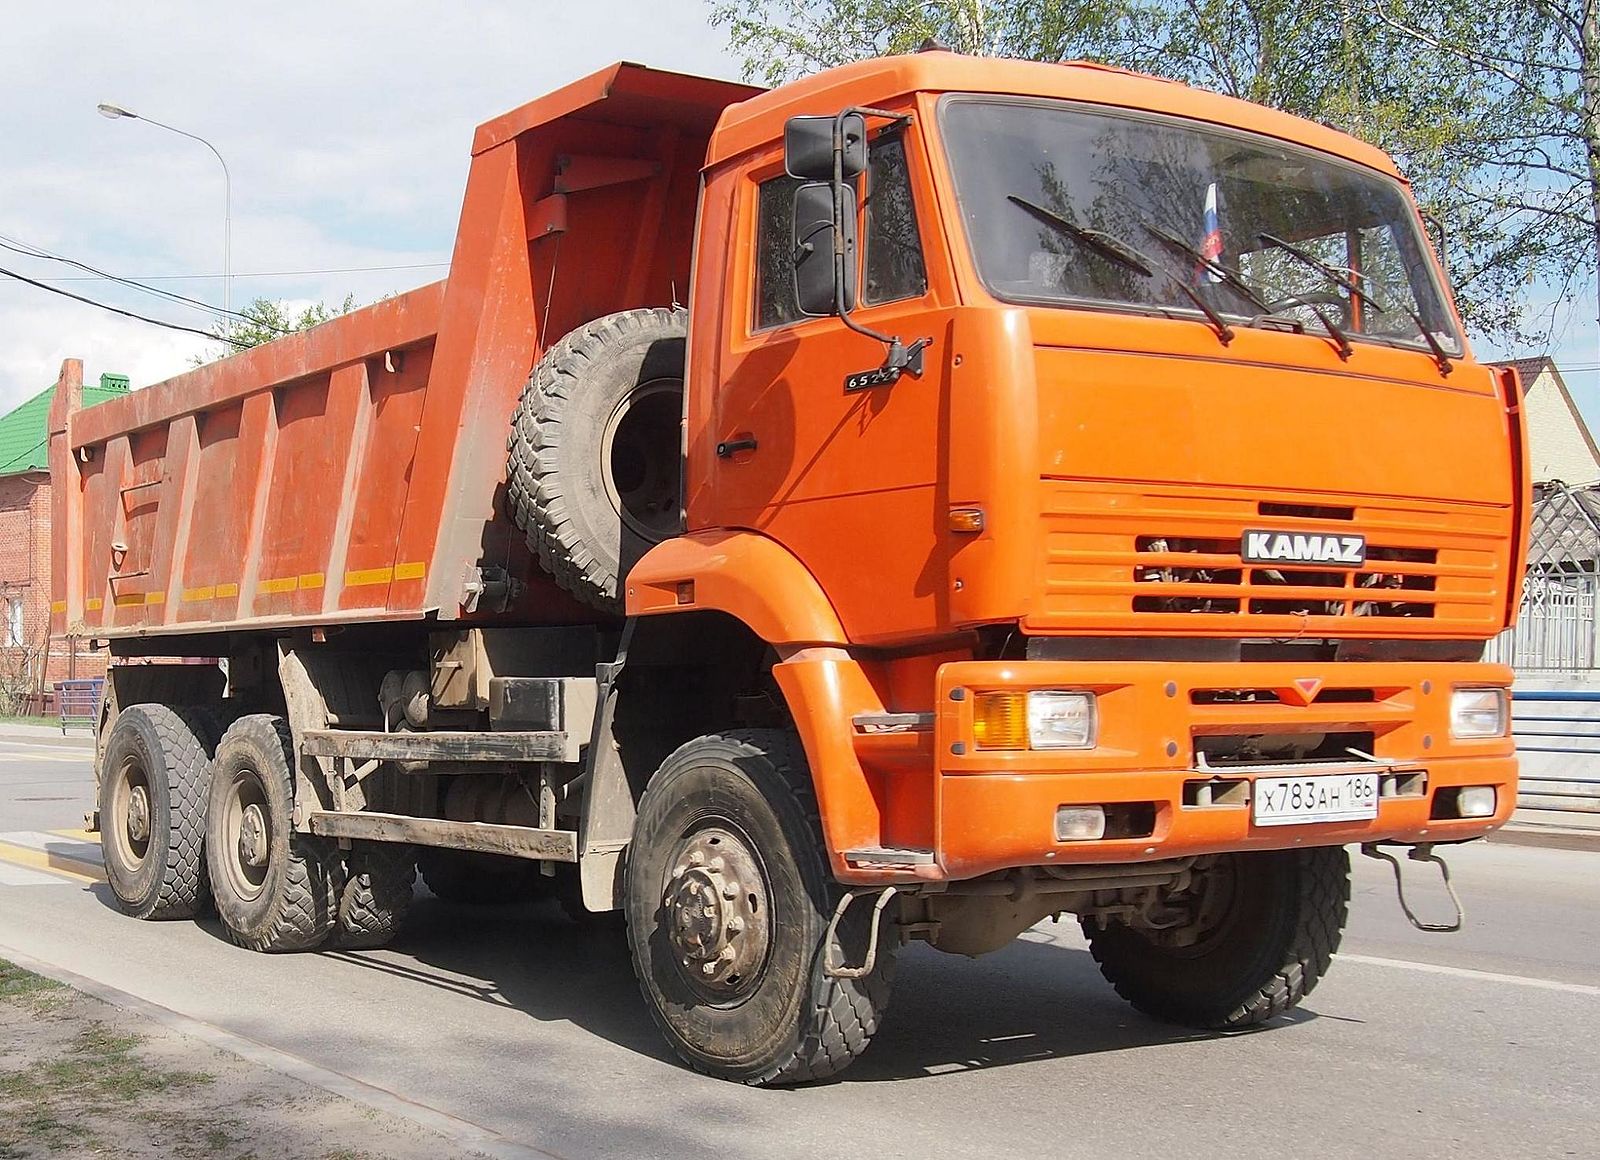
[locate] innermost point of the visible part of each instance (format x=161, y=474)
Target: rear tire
x=375, y=895
x=275, y=889
x=594, y=450
x=155, y=774
x=728, y=897
x=1258, y=948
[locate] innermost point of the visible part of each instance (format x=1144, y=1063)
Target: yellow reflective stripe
x=364, y=576
x=127, y=600
x=413, y=571
x=155, y=597
x=281, y=584
x=226, y=590
x=94, y=604
x=205, y=593
x=58, y=606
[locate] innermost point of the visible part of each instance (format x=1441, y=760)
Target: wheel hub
x=253, y=837
x=138, y=823
x=717, y=913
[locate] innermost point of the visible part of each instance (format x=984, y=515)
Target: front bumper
x=995, y=810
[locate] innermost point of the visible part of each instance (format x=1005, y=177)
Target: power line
x=118, y=310
x=28, y=250
x=271, y=273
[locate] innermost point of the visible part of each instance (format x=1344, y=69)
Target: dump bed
x=352, y=472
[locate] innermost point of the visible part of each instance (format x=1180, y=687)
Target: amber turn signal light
x=1000, y=720
x=966, y=519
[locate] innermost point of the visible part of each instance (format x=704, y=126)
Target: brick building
x=30, y=659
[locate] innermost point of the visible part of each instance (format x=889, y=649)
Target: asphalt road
x=531, y=1033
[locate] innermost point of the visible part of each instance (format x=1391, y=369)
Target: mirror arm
x=898, y=357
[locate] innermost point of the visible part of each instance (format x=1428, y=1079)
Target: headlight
x=1061, y=720
x=1042, y=719
x=1478, y=713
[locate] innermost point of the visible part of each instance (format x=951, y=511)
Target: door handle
x=730, y=447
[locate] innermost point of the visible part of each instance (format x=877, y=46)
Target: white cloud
x=346, y=128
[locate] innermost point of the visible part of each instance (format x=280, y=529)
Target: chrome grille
x=1189, y=575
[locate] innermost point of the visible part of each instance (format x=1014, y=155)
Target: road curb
x=1547, y=837
x=474, y=1137
x=46, y=735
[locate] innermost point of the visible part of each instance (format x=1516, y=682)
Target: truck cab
x=1168, y=507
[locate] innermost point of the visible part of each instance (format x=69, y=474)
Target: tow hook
x=1422, y=853
x=832, y=967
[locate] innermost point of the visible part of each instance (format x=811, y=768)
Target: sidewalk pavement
x=47, y=732
x=1553, y=829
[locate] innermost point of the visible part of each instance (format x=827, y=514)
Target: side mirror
x=1441, y=241
x=808, y=147
x=814, y=289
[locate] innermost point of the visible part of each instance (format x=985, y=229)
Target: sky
x=345, y=127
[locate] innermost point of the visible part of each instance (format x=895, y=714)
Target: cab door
x=848, y=480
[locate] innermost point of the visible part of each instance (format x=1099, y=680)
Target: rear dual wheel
x=154, y=777
x=280, y=890
x=275, y=890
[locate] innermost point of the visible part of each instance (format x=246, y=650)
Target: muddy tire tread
x=307, y=906
x=1322, y=904
x=183, y=888
x=843, y=1014
x=535, y=484
x=374, y=895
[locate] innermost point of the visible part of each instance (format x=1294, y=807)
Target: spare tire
x=595, y=450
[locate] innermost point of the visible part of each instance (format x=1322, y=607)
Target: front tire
x=728, y=898
x=1265, y=928
x=154, y=779
x=275, y=889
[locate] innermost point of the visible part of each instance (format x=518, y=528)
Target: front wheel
x=728, y=898
x=1247, y=940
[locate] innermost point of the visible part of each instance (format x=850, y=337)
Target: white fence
x=1556, y=629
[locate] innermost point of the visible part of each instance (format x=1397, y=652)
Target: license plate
x=1293, y=801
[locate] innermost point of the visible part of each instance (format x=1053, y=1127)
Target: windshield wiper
x=1334, y=275
x=1119, y=253
x=1210, y=265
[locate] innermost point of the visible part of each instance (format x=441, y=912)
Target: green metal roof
x=25, y=435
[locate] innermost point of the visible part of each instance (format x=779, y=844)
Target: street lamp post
x=117, y=112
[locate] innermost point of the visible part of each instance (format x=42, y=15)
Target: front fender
x=758, y=582
x=750, y=577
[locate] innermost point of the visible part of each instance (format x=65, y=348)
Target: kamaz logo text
x=1303, y=548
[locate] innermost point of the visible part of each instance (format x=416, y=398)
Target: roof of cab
x=751, y=124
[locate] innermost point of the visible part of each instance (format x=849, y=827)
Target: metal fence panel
x=1558, y=741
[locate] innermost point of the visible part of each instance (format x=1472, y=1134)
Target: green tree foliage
x=265, y=319
x=1491, y=107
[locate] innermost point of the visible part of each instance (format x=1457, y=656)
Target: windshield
x=1180, y=195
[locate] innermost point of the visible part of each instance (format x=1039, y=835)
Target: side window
x=894, y=268
x=775, y=301
x=893, y=250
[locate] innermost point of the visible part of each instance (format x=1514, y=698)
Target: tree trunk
x=1589, y=63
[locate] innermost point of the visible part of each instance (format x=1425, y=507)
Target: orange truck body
x=353, y=475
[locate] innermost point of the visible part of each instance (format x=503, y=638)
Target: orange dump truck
x=1065, y=491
